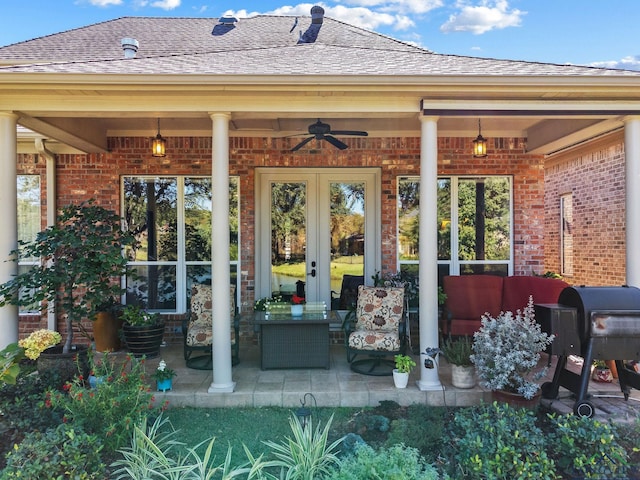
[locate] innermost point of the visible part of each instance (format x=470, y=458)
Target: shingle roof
x=261, y=45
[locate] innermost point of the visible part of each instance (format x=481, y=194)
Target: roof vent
x=130, y=47
x=317, y=14
x=228, y=20
x=225, y=24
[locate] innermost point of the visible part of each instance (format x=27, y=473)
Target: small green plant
x=404, y=363
x=586, y=448
x=260, y=305
x=62, y=452
x=163, y=372
x=136, y=316
x=110, y=410
x=307, y=455
x=395, y=462
x=458, y=351
x=499, y=442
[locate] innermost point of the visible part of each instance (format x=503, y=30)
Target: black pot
x=59, y=367
x=143, y=340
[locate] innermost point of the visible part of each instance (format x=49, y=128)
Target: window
x=474, y=219
x=566, y=234
x=29, y=217
x=171, y=218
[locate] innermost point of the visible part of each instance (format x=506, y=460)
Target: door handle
x=313, y=273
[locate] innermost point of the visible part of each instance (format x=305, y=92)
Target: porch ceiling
x=88, y=134
x=83, y=119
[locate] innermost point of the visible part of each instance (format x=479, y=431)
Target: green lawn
x=339, y=267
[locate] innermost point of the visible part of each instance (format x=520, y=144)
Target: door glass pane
x=347, y=231
x=483, y=219
x=288, y=237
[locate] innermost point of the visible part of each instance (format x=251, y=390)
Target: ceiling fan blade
x=349, y=132
x=335, y=142
x=302, y=144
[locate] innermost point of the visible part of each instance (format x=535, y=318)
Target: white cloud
x=627, y=63
x=166, y=4
x=489, y=15
x=397, y=6
x=359, y=16
x=105, y=3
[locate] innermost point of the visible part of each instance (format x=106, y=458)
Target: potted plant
x=81, y=263
x=404, y=365
x=164, y=377
x=458, y=353
x=142, y=331
x=506, y=352
x=297, y=306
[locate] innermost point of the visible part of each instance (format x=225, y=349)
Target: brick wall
x=97, y=176
x=595, y=177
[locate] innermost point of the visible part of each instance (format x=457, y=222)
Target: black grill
x=606, y=326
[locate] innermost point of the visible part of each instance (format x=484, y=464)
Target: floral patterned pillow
x=379, y=308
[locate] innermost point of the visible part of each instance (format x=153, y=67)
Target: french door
x=313, y=226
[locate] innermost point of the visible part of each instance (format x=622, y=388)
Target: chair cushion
x=200, y=328
x=374, y=340
x=379, y=309
x=517, y=290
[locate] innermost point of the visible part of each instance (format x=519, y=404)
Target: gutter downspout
x=51, y=209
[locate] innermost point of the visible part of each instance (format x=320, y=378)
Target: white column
x=221, y=277
x=632, y=201
x=428, y=271
x=8, y=214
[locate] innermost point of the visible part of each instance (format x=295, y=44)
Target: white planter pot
x=463, y=376
x=400, y=379
x=297, y=310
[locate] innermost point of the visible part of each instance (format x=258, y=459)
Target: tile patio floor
x=339, y=386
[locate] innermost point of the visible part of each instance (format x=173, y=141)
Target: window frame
x=181, y=264
x=453, y=265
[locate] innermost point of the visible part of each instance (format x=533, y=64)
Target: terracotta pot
x=63, y=367
x=463, y=376
x=516, y=400
x=106, y=332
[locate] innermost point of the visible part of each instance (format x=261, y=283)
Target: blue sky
x=585, y=32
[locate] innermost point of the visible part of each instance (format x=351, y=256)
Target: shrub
x=120, y=399
x=423, y=429
x=391, y=463
x=63, y=452
x=586, y=448
x=499, y=442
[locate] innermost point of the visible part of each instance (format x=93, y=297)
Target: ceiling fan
x=322, y=131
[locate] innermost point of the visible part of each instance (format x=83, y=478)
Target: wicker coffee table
x=287, y=342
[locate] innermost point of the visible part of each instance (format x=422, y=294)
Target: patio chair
x=348, y=292
x=377, y=331
x=197, y=329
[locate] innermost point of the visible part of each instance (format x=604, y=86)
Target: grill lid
x=612, y=309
